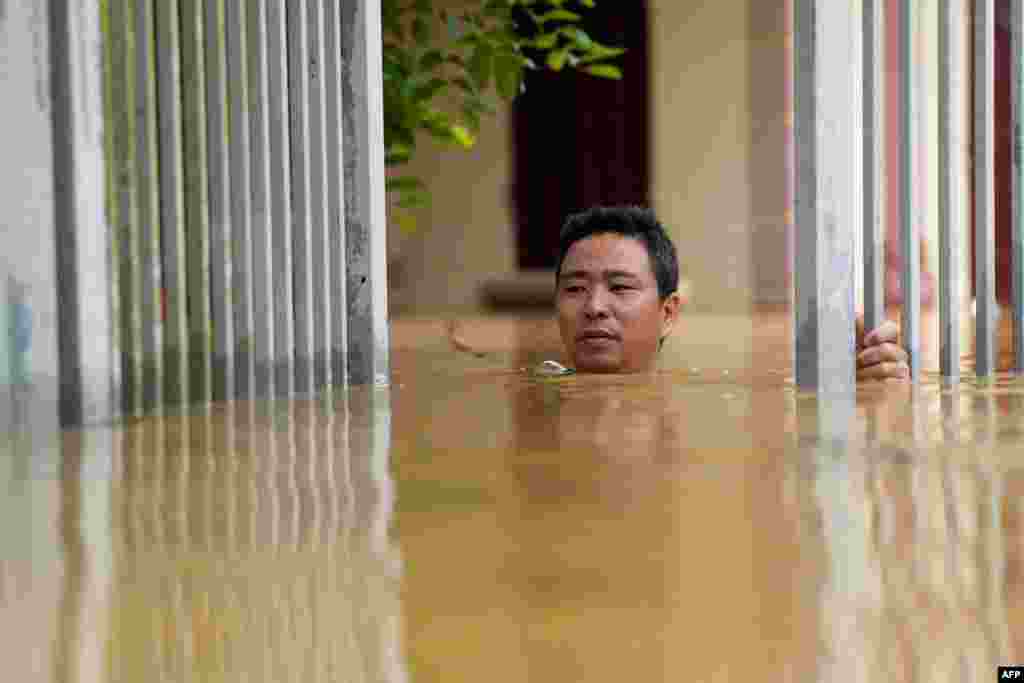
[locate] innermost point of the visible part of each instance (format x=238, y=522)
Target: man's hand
x=879, y=355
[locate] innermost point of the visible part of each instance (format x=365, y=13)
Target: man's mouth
x=597, y=335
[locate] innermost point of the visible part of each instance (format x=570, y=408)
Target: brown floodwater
x=473, y=522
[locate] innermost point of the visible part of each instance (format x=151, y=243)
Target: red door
x=1003, y=155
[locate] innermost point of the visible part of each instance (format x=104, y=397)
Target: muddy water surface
x=476, y=523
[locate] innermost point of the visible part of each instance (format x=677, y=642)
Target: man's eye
x=619, y=288
x=572, y=289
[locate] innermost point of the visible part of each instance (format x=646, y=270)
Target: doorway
x=579, y=140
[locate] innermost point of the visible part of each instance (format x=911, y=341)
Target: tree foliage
x=467, y=57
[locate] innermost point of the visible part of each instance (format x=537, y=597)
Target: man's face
x=609, y=313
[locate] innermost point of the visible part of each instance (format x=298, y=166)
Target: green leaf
x=463, y=137
x=604, y=71
x=556, y=59
x=403, y=183
x=398, y=154
x=480, y=65
x=431, y=59
x=421, y=30
x=583, y=40
x=428, y=90
x=558, y=15
x=508, y=73
x=405, y=220
x=545, y=41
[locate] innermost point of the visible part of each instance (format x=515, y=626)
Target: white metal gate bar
x=984, y=186
x=335, y=193
x=148, y=192
x=281, y=194
x=87, y=360
x=239, y=141
x=263, y=332
x=218, y=164
x=318, y=153
x=127, y=238
x=172, y=220
x=197, y=202
x=828, y=190
x=874, y=163
x=952, y=173
x=911, y=180
x=302, y=249
x=813, y=215
x=240, y=177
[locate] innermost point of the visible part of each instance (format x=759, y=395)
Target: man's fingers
x=888, y=370
x=882, y=353
x=886, y=332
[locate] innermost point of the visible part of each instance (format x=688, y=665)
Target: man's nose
x=596, y=304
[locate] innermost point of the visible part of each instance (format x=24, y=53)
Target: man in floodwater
x=616, y=282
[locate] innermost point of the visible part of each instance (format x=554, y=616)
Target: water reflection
x=912, y=535
x=246, y=542
x=677, y=526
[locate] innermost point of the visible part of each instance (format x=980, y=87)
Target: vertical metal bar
x=910, y=178
x=262, y=226
x=1017, y=260
x=280, y=198
x=828, y=192
x=335, y=192
x=318, y=198
x=240, y=176
x=984, y=186
x=218, y=161
x=85, y=335
x=129, y=278
x=952, y=69
x=148, y=189
x=365, y=233
x=172, y=225
x=874, y=163
x=197, y=204
x=111, y=147
x=302, y=248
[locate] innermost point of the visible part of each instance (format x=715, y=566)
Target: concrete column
x=88, y=368
x=365, y=220
x=829, y=189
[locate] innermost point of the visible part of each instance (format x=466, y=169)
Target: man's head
x=616, y=283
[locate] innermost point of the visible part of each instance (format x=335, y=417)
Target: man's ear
x=670, y=313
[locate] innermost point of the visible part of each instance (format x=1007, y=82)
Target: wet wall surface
x=476, y=522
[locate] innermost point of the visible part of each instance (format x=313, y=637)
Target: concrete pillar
x=829, y=189
x=365, y=233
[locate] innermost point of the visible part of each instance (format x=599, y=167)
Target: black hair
x=629, y=221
